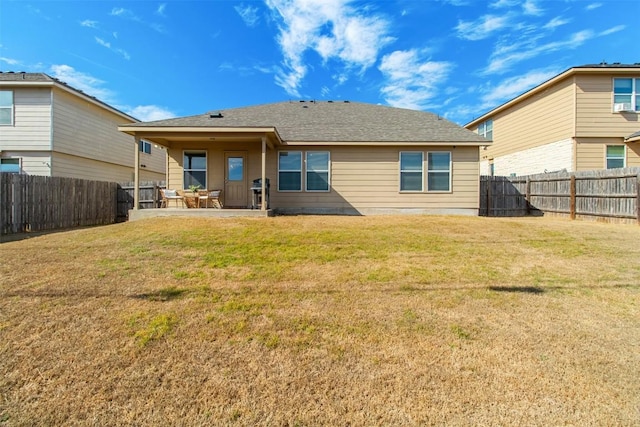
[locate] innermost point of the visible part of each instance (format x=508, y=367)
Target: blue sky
x=456, y=58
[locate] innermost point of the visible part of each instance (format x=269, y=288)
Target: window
x=10, y=165
x=290, y=171
x=317, y=163
x=439, y=171
x=486, y=129
x=195, y=169
x=411, y=170
x=615, y=156
x=626, y=94
x=144, y=147
x=6, y=107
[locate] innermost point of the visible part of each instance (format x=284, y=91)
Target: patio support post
x=136, y=175
x=263, y=205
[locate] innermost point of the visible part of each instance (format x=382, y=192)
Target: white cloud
x=248, y=14
x=612, y=30
x=481, y=28
x=331, y=28
x=556, y=22
x=89, y=23
x=124, y=13
x=161, y=8
x=84, y=82
x=514, y=86
x=149, y=113
x=593, y=6
x=411, y=80
x=128, y=14
x=504, y=3
x=119, y=51
x=531, y=8
x=503, y=60
x=10, y=61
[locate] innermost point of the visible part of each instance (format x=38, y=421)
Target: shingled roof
x=326, y=121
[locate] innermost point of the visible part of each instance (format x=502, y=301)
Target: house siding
x=539, y=120
x=591, y=153
x=32, y=162
x=363, y=179
x=595, y=117
x=366, y=179
x=84, y=130
x=31, y=128
x=65, y=165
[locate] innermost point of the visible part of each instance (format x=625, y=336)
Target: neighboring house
x=324, y=157
x=582, y=119
x=49, y=128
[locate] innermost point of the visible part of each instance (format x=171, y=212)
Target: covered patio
x=203, y=156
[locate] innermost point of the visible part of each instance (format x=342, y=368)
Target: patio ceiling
x=168, y=136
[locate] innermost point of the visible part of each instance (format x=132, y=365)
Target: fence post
x=527, y=196
x=489, y=195
x=638, y=198
x=572, y=197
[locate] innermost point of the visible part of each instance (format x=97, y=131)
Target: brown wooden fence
x=612, y=194
x=149, y=197
x=36, y=203
x=39, y=203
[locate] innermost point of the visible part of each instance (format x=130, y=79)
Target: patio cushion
x=169, y=193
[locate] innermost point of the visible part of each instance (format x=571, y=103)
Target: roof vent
x=215, y=115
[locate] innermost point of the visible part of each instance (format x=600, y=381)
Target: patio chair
x=213, y=198
x=168, y=195
x=203, y=197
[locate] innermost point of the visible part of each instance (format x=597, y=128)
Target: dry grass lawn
x=304, y=321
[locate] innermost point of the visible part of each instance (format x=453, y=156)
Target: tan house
x=49, y=128
x=323, y=157
x=582, y=119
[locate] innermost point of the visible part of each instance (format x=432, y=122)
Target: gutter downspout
x=136, y=174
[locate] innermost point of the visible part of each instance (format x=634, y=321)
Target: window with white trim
x=317, y=170
x=439, y=171
x=195, y=169
x=411, y=170
x=486, y=129
x=10, y=165
x=290, y=171
x=626, y=94
x=615, y=156
x=6, y=108
x=144, y=147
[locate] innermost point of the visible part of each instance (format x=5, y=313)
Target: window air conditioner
x=623, y=106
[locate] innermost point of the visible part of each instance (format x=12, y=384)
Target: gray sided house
x=49, y=128
x=324, y=157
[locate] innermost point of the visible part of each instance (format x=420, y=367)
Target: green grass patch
x=147, y=328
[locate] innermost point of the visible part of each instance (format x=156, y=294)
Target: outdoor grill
x=256, y=187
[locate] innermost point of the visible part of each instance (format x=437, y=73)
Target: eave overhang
x=635, y=137
x=387, y=143
x=165, y=136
